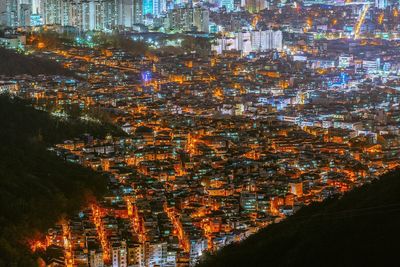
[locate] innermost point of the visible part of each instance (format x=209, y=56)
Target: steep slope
x=37, y=187
x=359, y=229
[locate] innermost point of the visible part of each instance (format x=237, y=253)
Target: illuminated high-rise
x=137, y=11
x=52, y=11
x=266, y=40
x=147, y=7
x=254, y=6
x=154, y=7
x=201, y=19
x=188, y=19
x=36, y=7
x=15, y=13
x=228, y=4
x=92, y=14
x=129, y=12
x=24, y=13
x=381, y=4
x=11, y=13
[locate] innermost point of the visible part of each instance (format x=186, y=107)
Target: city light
x=190, y=126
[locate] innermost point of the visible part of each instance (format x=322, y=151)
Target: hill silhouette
x=12, y=63
x=359, y=229
x=36, y=186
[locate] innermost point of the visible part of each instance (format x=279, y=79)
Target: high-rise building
x=228, y=4
x=155, y=254
x=381, y=4
x=254, y=6
x=96, y=258
x=52, y=11
x=134, y=254
x=85, y=15
x=11, y=13
x=36, y=7
x=15, y=13
x=254, y=41
x=188, y=19
x=243, y=42
x=147, y=7
x=119, y=254
x=201, y=19
x=88, y=15
x=159, y=6
x=110, y=15
x=3, y=14
x=125, y=13
x=266, y=40
x=154, y=7
x=224, y=44
x=137, y=11
x=24, y=14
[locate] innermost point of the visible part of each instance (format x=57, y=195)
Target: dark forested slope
x=37, y=187
x=12, y=63
x=359, y=229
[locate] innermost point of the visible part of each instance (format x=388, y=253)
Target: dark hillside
x=37, y=187
x=359, y=229
x=12, y=63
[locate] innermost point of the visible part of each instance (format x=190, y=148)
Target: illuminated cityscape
x=234, y=115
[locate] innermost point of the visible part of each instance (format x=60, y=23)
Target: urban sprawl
x=284, y=104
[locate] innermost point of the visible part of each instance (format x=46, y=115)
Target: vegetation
x=359, y=229
x=12, y=63
x=135, y=48
x=36, y=187
x=50, y=39
x=54, y=40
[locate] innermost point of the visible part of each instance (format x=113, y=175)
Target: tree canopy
x=37, y=187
